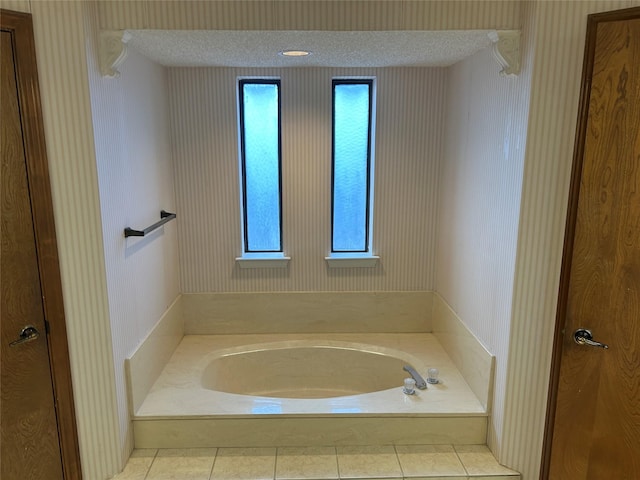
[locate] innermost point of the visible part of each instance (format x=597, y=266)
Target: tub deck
x=179, y=412
x=178, y=391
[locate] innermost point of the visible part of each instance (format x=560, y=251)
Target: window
x=260, y=164
x=352, y=167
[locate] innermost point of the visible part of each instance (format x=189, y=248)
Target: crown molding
x=506, y=50
x=112, y=51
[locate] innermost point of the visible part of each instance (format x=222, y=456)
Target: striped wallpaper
x=16, y=5
x=408, y=146
x=480, y=184
x=311, y=15
x=133, y=156
x=59, y=29
x=556, y=35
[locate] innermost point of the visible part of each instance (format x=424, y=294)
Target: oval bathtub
x=304, y=371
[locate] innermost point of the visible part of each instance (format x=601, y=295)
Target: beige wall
x=407, y=152
x=16, y=5
x=553, y=51
x=61, y=38
x=311, y=14
x=480, y=184
x=133, y=154
x=558, y=34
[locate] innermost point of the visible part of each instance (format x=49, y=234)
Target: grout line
x=398, y=459
x=148, y=469
x=335, y=449
x=213, y=463
x=461, y=462
x=275, y=463
x=150, y=465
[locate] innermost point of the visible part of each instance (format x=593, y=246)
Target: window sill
x=352, y=260
x=263, y=260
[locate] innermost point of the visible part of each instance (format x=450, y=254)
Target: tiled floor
x=415, y=462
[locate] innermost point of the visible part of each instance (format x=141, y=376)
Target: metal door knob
x=27, y=334
x=582, y=336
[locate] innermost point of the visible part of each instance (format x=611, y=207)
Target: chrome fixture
x=420, y=383
x=295, y=53
x=409, y=386
x=582, y=336
x=27, y=334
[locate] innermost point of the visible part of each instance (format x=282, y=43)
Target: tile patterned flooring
x=388, y=462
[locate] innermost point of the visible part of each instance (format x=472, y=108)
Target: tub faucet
x=420, y=383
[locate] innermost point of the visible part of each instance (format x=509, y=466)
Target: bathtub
x=306, y=370
x=311, y=389
x=319, y=374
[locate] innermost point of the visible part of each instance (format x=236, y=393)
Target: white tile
x=495, y=477
x=368, y=462
x=515, y=476
x=138, y=464
x=298, y=463
x=429, y=460
x=135, y=469
x=182, y=464
x=244, y=464
x=144, y=452
x=479, y=461
x=447, y=477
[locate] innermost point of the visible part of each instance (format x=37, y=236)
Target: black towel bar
x=165, y=217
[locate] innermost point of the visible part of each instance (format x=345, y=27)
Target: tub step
x=198, y=402
x=269, y=431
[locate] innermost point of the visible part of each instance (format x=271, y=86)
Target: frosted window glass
x=261, y=167
x=351, y=129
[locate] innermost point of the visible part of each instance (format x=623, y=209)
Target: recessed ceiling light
x=295, y=53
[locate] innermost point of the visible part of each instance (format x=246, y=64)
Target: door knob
x=582, y=336
x=27, y=334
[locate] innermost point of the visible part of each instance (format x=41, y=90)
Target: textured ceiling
x=201, y=48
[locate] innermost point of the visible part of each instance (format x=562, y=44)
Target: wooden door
x=37, y=435
x=593, y=426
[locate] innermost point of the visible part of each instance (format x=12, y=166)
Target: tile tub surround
x=307, y=312
x=470, y=357
x=365, y=311
x=179, y=411
x=415, y=462
x=147, y=362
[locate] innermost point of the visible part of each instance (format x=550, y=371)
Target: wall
x=16, y=5
x=60, y=39
x=554, y=44
x=408, y=145
x=64, y=36
x=133, y=155
x=480, y=185
x=60, y=46
x=310, y=14
x=558, y=30
x=558, y=38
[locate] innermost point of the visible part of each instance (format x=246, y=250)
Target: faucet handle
x=420, y=383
